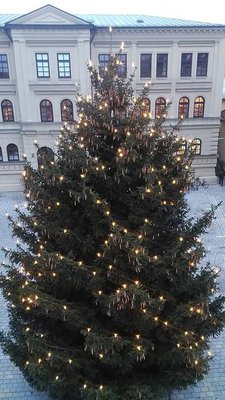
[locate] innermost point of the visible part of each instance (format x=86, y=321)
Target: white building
x=42, y=65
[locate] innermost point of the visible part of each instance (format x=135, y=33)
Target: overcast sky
x=196, y=10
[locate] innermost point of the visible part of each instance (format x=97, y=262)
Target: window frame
x=197, y=145
x=8, y=109
x=159, y=105
x=143, y=67
x=183, y=103
x=64, y=62
x=183, y=148
x=62, y=110
x=161, y=75
x=200, y=65
x=222, y=116
x=146, y=107
x=122, y=68
x=196, y=112
x=1, y=154
x=42, y=62
x=47, y=107
x=13, y=156
x=185, y=66
x=2, y=64
x=44, y=154
x=102, y=65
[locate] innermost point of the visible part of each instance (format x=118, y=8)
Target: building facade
x=43, y=58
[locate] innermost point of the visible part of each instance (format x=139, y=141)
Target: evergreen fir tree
x=107, y=298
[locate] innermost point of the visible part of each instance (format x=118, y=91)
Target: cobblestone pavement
x=12, y=384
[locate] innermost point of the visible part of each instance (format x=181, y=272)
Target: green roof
x=139, y=21
x=128, y=21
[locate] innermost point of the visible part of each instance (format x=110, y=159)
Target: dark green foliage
x=106, y=298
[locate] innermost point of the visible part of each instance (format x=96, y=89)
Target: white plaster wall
x=26, y=91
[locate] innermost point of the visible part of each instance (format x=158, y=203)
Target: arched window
x=183, y=110
x=196, y=146
x=199, y=106
x=13, y=153
x=182, y=148
x=46, y=111
x=160, y=105
x=145, y=106
x=1, y=156
x=222, y=117
x=44, y=155
x=66, y=107
x=7, y=111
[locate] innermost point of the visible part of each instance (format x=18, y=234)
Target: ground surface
x=12, y=384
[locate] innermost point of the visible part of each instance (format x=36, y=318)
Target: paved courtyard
x=12, y=384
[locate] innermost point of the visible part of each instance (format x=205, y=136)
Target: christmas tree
x=107, y=298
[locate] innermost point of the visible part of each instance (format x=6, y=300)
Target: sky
x=195, y=10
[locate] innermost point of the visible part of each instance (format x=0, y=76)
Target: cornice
x=165, y=29
x=10, y=27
